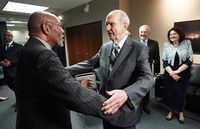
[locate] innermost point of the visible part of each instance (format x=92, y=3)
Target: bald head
x=144, y=32
x=37, y=19
x=8, y=36
x=145, y=27
x=47, y=27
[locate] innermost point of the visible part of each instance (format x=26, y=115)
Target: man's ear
x=45, y=28
x=125, y=25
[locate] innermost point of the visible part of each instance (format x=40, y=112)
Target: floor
x=79, y=121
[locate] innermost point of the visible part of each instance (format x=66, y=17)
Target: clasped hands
x=5, y=63
x=113, y=104
x=174, y=75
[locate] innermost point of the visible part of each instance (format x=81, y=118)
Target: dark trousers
x=145, y=100
x=11, y=82
x=106, y=125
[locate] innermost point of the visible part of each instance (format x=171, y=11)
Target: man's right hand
x=87, y=83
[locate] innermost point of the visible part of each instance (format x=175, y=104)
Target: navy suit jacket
x=154, y=56
x=12, y=54
x=131, y=72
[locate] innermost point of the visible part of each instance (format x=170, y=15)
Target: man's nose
x=108, y=27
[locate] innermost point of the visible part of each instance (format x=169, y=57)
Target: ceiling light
x=60, y=18
x=20, y=22
x=10, y=24
x=23, y=8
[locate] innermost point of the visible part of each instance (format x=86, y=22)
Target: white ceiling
x=55, y=6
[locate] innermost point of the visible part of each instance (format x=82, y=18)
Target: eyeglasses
x=57, y=24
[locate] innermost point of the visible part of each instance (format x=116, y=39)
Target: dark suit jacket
x=131, y=72
x=45, y=90
x=12, y=54
x=154, y=56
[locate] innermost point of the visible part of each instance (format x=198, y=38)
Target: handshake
x=87, y=80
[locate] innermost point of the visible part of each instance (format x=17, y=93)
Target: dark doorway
x=3, y=29
x=83, y=41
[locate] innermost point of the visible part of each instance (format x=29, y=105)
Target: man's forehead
x=8, y=34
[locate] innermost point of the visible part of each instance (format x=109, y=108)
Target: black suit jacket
x=45, y=90
x=131, y=72
x=154, y=56
x=12, y=54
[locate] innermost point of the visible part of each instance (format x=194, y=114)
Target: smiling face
x=144, y=32
x=116, y=27
x=174, y=36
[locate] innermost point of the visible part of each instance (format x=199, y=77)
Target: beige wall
x=159, y=14
x=20, y=36
x=125, y=6
x=97, y=12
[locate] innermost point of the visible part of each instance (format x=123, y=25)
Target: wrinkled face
x=143, y=33
x=8, y=37
x=115, y=28
x=56, y=34
x=174, y=36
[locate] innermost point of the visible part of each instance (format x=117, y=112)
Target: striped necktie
x=113, y=56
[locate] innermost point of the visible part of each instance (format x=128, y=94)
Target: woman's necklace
x=176, y=44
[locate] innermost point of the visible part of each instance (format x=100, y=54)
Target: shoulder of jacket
x=153, y=41
x=17, y=44
x=186, y=41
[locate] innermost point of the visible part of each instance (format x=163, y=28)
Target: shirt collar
x=121, y=43
x=144, y=41
x=44, y=42
x=10, y=43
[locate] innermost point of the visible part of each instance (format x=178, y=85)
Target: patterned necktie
x=113, y=56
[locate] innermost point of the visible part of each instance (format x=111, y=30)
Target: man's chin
x=111, y=38
x=61, y=45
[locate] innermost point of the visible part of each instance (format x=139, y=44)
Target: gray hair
x=123, y=17
x=145, y=26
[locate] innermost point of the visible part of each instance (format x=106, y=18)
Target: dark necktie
x=7, y=46
x=113, y=56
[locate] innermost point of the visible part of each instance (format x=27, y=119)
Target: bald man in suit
x=9, y=55
x=154, y=60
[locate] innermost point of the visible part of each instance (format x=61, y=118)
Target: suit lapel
x=122, y=55
x=149, y=43
x=107, y=59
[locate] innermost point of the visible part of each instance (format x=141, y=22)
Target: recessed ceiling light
x=60, y=18
x=20, y=22
x=23, y=8
x=10, y=24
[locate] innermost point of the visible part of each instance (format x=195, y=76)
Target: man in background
x=154, y=60
x=9, y=55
